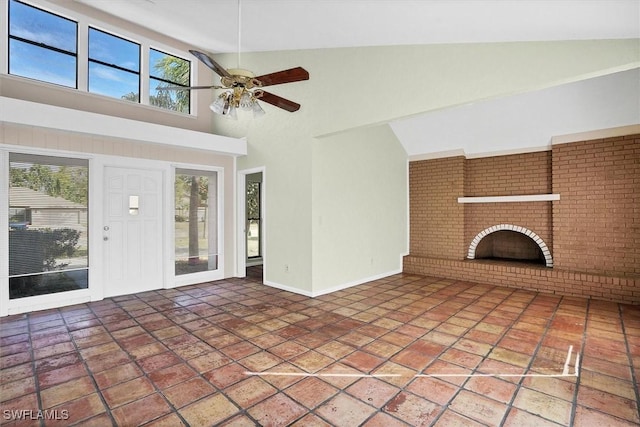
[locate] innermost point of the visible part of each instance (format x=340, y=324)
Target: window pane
x=176, y=100
x=167, y=70
x=196, y=222
x=253, y=220
x=38, y=26
x=113, y=50
x=47, y=225
x=42, y=64
x=114, y=66
x=42, y=45
x=113, y=82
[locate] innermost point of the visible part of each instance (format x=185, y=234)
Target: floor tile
x=587, y=416
x=209, y=361
x=117, y=375
x=172, y=375
x=608, y=403
x=344, y=410
x=372, y=391
x=478, y=407
x=363, y=361
x=452, y=419
x=127, y=392
x=311, y=361
x=311, y=392
x=188, y=392
x=491, y=387
x=433, y=389
x=278, y=410
x=189, y=356
x=309, y=420
x=250, y=391
x=412, y=409
x=549, y=407
x=17, y=388
x=141, y=411
x=80, y=409
x=66, y=392
x=288, y=349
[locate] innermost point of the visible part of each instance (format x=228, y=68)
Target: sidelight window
x=48, y=234
x=196, y=221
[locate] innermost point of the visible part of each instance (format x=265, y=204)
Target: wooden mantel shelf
x=510, y=199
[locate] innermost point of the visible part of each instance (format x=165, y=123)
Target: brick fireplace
x=563, y=221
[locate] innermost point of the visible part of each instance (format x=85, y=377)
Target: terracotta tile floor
x=406, y=350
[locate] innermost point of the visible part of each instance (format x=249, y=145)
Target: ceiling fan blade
x=206, y=59
x=188, y=87
x=279, y=102
x=286, y=76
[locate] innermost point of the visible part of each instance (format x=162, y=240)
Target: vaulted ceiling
x=226, y=26
x=272, y=25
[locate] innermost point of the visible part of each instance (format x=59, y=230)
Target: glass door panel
x=254, y=228
x=48, y=234
x=196, y=221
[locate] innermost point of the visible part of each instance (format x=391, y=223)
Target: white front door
x=132, y=230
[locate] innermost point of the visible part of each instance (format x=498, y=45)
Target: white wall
x=359, y=218
x=524, y=121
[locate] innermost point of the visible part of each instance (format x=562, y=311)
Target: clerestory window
x=114, y=66
x=164, y=71
x=42, y=46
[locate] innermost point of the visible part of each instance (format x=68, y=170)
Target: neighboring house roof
x=28, y=198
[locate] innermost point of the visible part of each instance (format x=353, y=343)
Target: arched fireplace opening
x=508, y=242
x=509, y=246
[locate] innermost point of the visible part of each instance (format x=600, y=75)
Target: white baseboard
x=356, y=283
x=341, y=287
x=288, y=288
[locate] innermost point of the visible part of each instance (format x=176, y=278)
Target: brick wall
x=537, y=279
x=512, y=175
x=597, y=219
x=436, y=218
x=516, y=174
x=593, y=231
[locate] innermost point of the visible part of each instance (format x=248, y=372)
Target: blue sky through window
x=114, y=66
x=43, y=46
x=56, y=65
x=42, y=27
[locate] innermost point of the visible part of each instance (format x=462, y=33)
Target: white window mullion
x=144, y=73
x=83, y=56
x=4, y=233
x=4, y=39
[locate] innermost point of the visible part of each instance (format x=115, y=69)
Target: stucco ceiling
x=271, y=25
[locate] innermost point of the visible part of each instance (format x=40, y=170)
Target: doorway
x=132, y=230
x=251, y=214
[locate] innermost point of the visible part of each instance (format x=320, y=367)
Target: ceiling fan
x=244, y=89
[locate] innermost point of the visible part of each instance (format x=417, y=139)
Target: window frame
x=151, y=77
x=83, y=23
x=41, y=45
x=114, y=66
x=20, y=157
